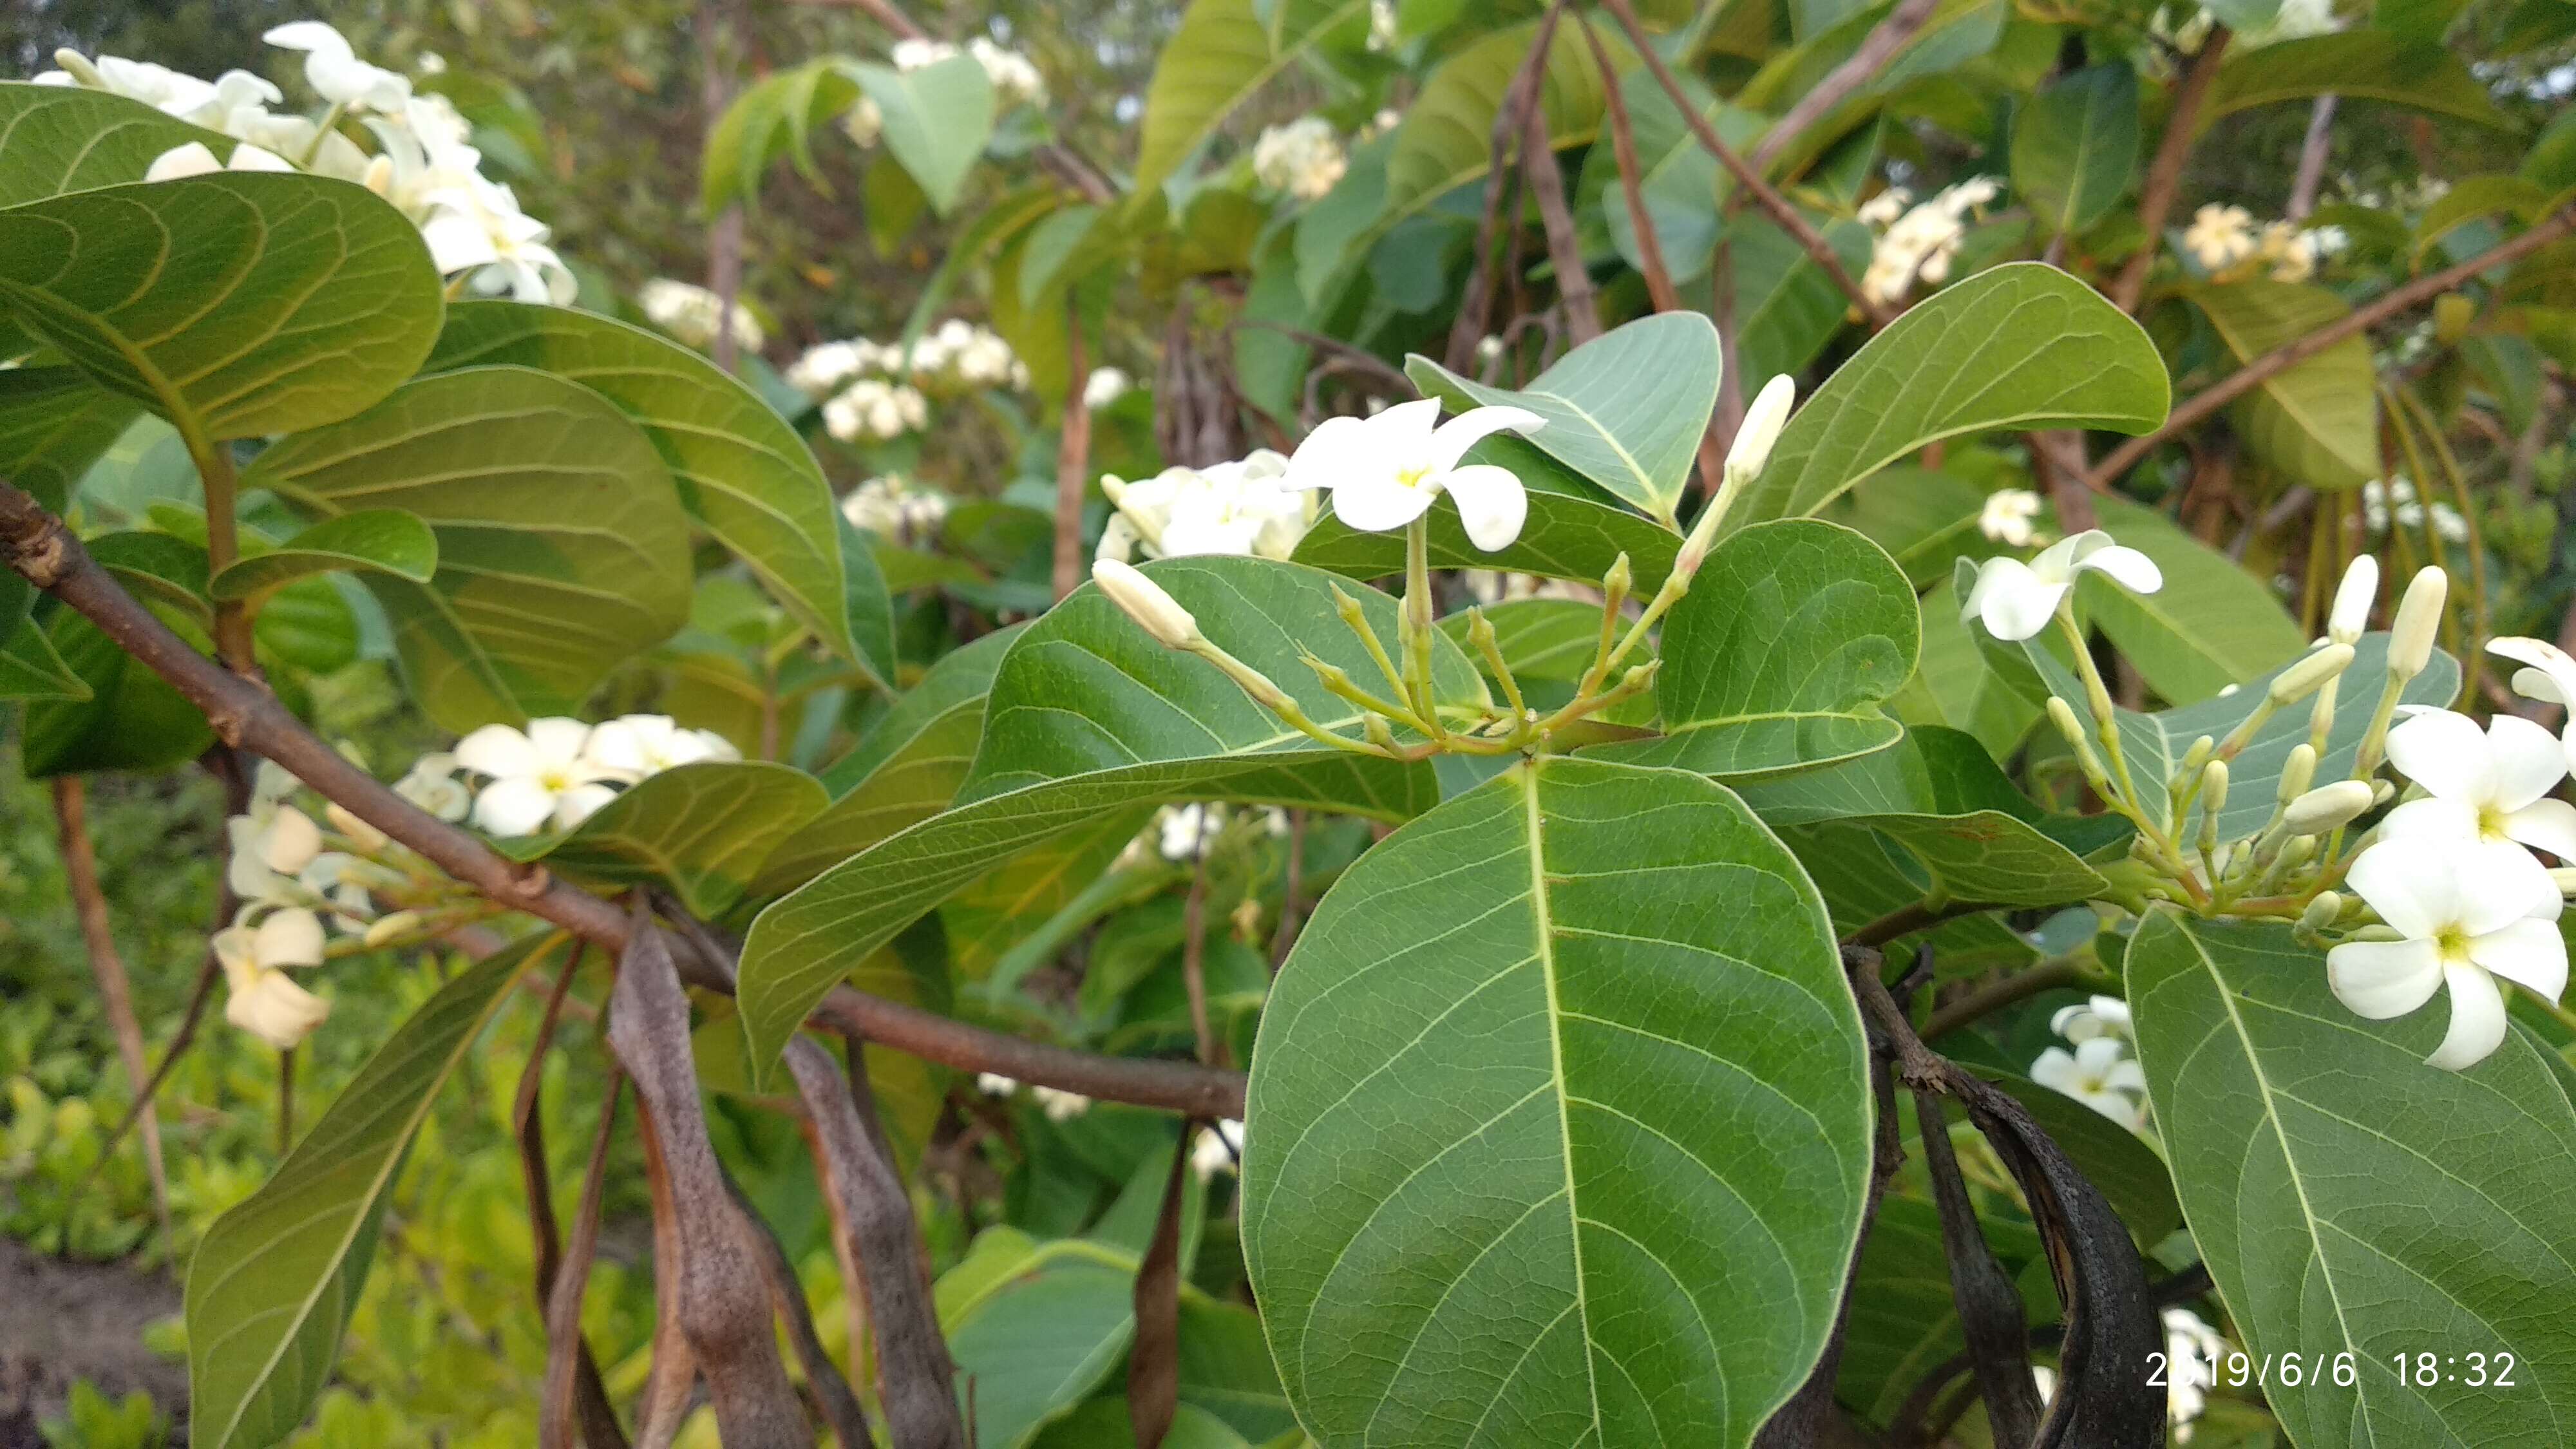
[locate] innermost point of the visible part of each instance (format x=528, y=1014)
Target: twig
x=1154, y=1360
x=1520, y=100
x=2164, y=174
x=1764, y=195
x=1877, y=48
x=2312, y=160
x=597, y=1417
x=562, y=1409
x=1072, y=455
x=2281, y=359
x=2020, y=986
x=1565, y=253
x=246, y=715
x=115, y=994
x=1922, y=915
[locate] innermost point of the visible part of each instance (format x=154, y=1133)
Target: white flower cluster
x=871, y=391
x=1015, y=78
x=2100, y=1072
x=875, y=410
x=423, y=163
x=2009, y=516
x=1106, y=385
x=1058, y=1104
x=2396, y=500
x=555, y=773
x=1919, y=241
x=893, y=507
x=288, y=880
x=1189, y=832
x=1232, y=508
x=695, y=315
x=1303, y=158
x=2228, y=245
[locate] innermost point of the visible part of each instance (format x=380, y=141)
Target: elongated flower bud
x=2213, y=799
x=2353, y=598
x=2327, y=807
x=2419, y=616
x=2297, y=772
x=2062, y=715
x=2302, y=679
x=1763, y=420
x=391, y=928
x=2321, y=911
x=1144, y=601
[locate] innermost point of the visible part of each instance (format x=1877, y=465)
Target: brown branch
x=567, y=1401
x=1764, y=195
x=2164, y=174
x=1877, y=48
x=1511, y=120
x=1546, y=183
x=1986, y=1000
x=2281, y=359
x=597, y=1417
x=2312, y=160
x=1922, y=915
x=246, y=715
x=115, y=994
x=1072, y=456
x=1154, y=1359
x=1194, y=956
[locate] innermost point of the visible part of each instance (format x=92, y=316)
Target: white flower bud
x=2327, y=807
x=1144, y=601
x=291, y=842
x=366, y=837
x=392, y=927
x=2321, y=911
x=2359, y=590
x=2304, y=678
x=1763, y=420
x=2297, y=771
x=2213, y=788
x=2419, y=617
x=2563, y=877
x=291, y=937
x=273, y=1008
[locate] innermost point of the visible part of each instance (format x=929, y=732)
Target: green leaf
x=1088, y=717
x=2020, y=346
x=30, y=667
x=937, y=119
x=2470, y=198
x=775, y=116
x=272, y=1285
x=1926, y=520
x=1904, y=1319
x=1786, y=307
x=1679, y=181
x=1780, y=657
x=302, y=300
x=1638, y=442
x=1220, y=56
x=744, y=473
x=2317, y=421
x=1036, y=1342
x=54, y=424
x=1226, y=1369
x=375, y=540
x=1575, y=530
x=1542, y=1145
x=2348, y=1198
x=2357, y=64
x=131, y=719
x=1865, y=876
x=2211, y=625
x=562, y=550
x=701, y=829
x=55, y=139
x=2075, y=146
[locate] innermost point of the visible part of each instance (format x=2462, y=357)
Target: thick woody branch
x=1764, y=195
x=2164, y=174
x=37, y=546
x=2281, y=359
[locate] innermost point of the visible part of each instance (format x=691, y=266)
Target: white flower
x=1217, y=1149
x=1231, y=508
x=636, y=745
x=2101, y=1016
x=2008, y=515
x=2219, y=236
x=696, y=315
x=1015, y=78
x=1303, y=158
x=478, y=227
x=1059, y=1104
x=1386, y=470
x=874, y=409
x=864, y=122
x=2463, y=924
x=2017, y=599
x=270, y=1006
x=2193, y=1351
x=994, y=1084
x=535, y=778
x=2099, y=1074
x=335, y=878
x=334, y=70
x=1106, y=385
x=432, y=785
x=193, y=159
x=821, y=369
x=2487, y=795
x=2548, y=675
x=279, y=837
x=1922, y=241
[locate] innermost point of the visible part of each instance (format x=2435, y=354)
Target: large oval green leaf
x=55, y=139
x=2075, y=146
x=2318, y=420
x=2421, y=75
x=1559, y=1124
x=937, y=118
x=274, y=1282
x=2350, y=1199
x=743, y=471
x=2020, y=346
x=701, y=829
x=1088, y=717
x=562, y=550
x=235, y=305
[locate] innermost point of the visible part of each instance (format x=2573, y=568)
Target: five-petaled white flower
x=2101, y=1016
x=334, y=70
x=636, y=745
x=2099, y=1074
x=2018, y=599
x=2462, y=924
x=1385, y=471
x=2548, y=675
x=2008, y=515
x=540, y=777
x=261, y=999
x=2486, y=795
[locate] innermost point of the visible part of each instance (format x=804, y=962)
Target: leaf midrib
x=1544, y=934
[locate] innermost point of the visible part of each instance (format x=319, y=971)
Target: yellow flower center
x=2452, y=942
x=1413, y=477
x=2491, y=823
x=555, y=781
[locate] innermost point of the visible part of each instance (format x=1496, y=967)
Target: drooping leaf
x=55, y=139
x=1087, y=718
x=2075, y=146
x=702, y=829
x=2317, y=421
x=2210, y=626
x=1792, y=637
x=1558, y=1125
x=774, y=116
x=236, y=305
x=744, y=473
x=1637, y=441
x=2364, y=64
x=374, y=540
x=273, y=1283
x=1223, y=52
x=937, y=119
x=562, y=549
x=2349, y=1199
x=1575, y=530
x=2019, y=346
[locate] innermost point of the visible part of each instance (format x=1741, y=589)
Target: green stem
x=223, y=540
x=1416, y=622
x=330, y=120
